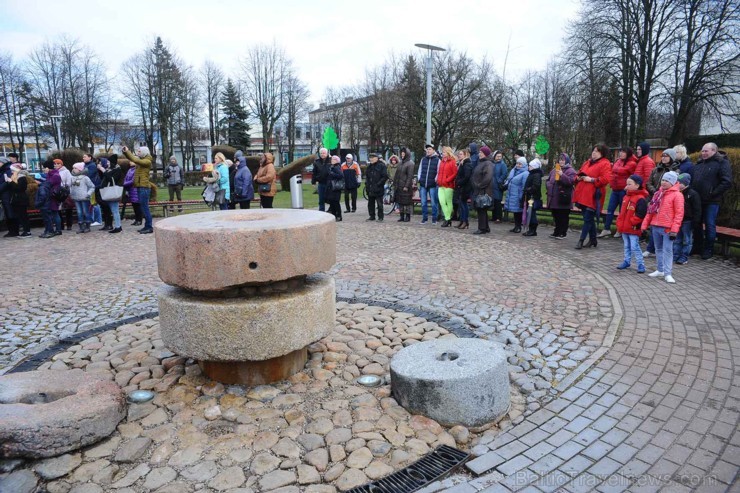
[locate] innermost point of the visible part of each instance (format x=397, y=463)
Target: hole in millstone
x=448, y=356
x=42, y=397
x=252, y=265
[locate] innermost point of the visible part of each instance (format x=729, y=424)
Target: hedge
x=695, y=143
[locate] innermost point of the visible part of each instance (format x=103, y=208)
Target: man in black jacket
x=376, y=175
x=712, y=178
x=321, y=175
x=427, y=180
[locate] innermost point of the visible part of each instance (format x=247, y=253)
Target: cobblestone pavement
x=659, y=410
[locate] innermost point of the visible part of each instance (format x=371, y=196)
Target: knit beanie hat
x=113, y=159
x=521, y=160
x=78, y=167
x=486, y=150
x=104, y=162
x=49, y=164
x=57, y=161
x=671, y=177
x=671, y=153
x=684, y=179
x=637, y=179
x=535, y=164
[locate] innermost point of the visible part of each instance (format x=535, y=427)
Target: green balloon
x=329, y=139
x=541, y=146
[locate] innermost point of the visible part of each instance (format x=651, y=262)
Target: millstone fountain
x=246, y=294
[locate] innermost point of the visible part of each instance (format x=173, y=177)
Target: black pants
x=517, y=219
x=371, y=203
x=335, y=208
x=353, y=194
x=561, y=218
x=66, y=216
x=21, y=216
x=10, y=222
x=266, y=202
x=483, y=219
x=498, y=210
x=243, y=204
x=138, y=216
x=175, y=190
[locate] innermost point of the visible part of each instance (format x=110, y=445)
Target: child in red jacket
x=629, y=221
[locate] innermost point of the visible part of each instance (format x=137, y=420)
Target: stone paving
x=658, y=410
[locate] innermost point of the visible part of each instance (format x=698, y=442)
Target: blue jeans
x=322, y=196
x=615, y=200
x=432, y=191
x=709, y=215
x=632, y=247
x=464, y=211
x=144, y=193
x=83, y=211
x=114, y=211
x=589, y=224
x=684, y=242
x=96, y=214
x=663, y=249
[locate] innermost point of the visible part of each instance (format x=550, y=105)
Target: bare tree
x=296, y=106
x=707, y=74
x=266, y=69
x=11, y=108
x=211, y=82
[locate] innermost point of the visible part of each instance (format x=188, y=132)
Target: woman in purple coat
x=560, y=195
x=133, y=195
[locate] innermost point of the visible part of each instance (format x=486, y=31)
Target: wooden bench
x=727, y=237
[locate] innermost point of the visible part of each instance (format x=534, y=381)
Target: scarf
x=654, y=204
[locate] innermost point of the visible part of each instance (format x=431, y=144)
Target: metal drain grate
x=426, y=470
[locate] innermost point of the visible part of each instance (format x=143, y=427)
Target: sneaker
x=96, y=224
x=657, y=273
x=57, y=233
x=617, y=234
x=682, y=261
x=623, y=265
x=147, y=231
x=640, y=269
x=670, y=280
x=434, y=222
x=605, y=234
x=47, y=235
x=706, y=256
x=9, y=235
x=646, y=254
x=115, y=230
x=380, y=219
x=25, y=235
x=423, y=221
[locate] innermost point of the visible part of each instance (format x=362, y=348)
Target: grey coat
x=82, y=188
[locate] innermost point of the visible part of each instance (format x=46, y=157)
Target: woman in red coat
x=591, y=180
x=623, y=168
x=446, y=181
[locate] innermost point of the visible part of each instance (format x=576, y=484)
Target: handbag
x=337, y=184
x=483, y=201
x=264, y=187
x=111, y=193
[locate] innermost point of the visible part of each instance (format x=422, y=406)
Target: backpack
x=60, y=194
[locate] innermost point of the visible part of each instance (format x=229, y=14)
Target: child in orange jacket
x=665, y=214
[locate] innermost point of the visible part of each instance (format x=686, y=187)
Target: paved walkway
x=659, y=410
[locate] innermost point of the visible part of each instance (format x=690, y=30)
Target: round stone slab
x=48, y=413
x=246, y=329
x=452, y=381
x=213, y=251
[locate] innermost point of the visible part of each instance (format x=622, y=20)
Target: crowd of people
x=674, y=203
x=96, y=187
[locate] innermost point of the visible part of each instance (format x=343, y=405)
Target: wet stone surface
x=319, y=427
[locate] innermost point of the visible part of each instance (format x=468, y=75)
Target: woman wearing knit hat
x=664, y=217
x=515, y=189
x=81, y=191
x=560, y=195
x=481, y=184
x=691, y=215
x=533, y=194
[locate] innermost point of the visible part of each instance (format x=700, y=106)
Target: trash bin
x=296, y=192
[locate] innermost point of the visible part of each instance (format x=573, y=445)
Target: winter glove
x=672, y=236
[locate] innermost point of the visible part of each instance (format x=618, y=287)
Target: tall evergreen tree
x=234, y=121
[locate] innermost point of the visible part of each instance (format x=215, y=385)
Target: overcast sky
x=330, y=42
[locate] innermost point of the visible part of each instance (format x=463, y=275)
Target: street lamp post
x=430, y=49
x=58, y=122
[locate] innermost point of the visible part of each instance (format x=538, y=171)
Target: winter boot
x=82, y=229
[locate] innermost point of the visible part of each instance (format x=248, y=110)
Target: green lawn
x=282, y=199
